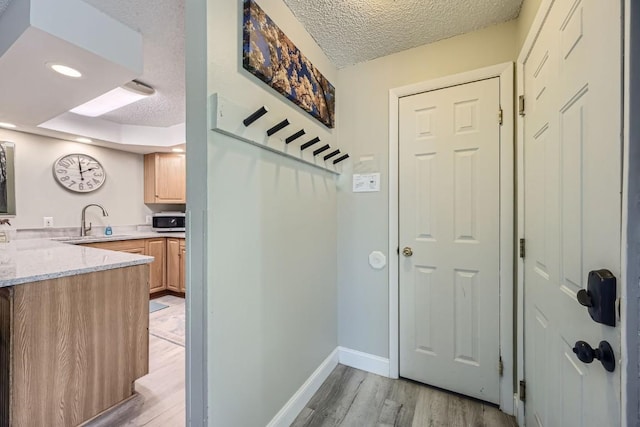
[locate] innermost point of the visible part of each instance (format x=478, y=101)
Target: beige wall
x=265, y=236
x=363, y=121
x=39, y=195
x=525, y=19
x=271, y=240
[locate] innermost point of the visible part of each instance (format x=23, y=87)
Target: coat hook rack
x=277, y=127
x=256, y=115
x=294, y=136
x=309, y=144
x=320, y=150
x=248, y=126
x=330, y=155
x=341, y=158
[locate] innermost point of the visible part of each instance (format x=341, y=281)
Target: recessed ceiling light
x=7, y=125
x=85, y=140
x=177, y=150
x=64, y=70
x=114, y=99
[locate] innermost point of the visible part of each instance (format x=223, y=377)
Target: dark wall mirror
x=7, y=178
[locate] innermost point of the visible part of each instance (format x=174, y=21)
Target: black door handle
x=600, y=297
x=604, y=353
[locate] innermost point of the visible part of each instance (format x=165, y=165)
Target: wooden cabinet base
x=167, y=292
x=72, y=346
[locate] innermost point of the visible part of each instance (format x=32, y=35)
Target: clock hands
x=80, y=167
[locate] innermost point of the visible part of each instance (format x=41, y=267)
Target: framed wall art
x=268, y=54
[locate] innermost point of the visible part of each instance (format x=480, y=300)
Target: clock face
x=79, y=172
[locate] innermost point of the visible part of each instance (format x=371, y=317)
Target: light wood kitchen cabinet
x=131, y=246
x=72, y=347
x=165, y=178
x=157, y=276
x=173, y=264
x=167, y=271
x=182, y=264
x=151, y=247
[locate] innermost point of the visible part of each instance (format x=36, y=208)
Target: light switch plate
x=365, y=183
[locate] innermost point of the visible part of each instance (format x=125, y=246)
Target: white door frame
x=505, y=73
x=534, y=31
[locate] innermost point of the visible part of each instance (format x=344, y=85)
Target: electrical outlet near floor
x=47, y=221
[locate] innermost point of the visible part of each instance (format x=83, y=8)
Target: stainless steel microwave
x=168, y=221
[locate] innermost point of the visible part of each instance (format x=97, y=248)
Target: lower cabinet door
x=183, y=262
x=156, y=248
x=173, y=265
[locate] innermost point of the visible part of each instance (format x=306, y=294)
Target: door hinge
x=398, y=250
x=522, y=391
x=522, y=248
x=500, y=116
x=521, y=105
x=500, y=367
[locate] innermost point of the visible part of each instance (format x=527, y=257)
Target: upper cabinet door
x=164, y=178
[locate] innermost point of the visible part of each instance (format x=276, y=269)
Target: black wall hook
x=341, y=158
x=330, y=155
x=310, y=143
x=294, y=136
x=256, y=115
x=321, y=149
x=277, y=127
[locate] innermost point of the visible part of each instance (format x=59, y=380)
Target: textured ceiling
x=348, y=31
x=3, y=5
x=355, y=31
x=161, y=23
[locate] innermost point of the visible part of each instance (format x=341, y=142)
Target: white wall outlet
x=48, y=221
x=148, y=219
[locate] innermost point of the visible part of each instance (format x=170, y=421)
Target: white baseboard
x=298, y=401
x=364, y=361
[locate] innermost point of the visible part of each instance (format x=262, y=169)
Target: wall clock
x=79, y=172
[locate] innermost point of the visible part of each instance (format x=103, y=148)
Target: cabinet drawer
x=132, y=246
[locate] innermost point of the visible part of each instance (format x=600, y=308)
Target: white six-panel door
x=572, y=184
x=449, y=182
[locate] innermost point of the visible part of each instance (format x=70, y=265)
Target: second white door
x=450, y=238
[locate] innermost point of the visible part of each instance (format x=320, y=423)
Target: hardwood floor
x=160, y=398
x=350, y=397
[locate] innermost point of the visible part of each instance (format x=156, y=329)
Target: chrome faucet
x=83, y=229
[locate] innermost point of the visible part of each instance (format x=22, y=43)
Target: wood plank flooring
x=160, y=398
x=350, y=397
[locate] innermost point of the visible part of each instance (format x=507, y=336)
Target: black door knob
x=584, y=298
x=604, y=353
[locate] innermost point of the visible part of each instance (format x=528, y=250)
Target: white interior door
x=572, y=170
x=449, y=163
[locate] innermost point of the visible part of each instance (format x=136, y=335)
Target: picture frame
x=272, y=57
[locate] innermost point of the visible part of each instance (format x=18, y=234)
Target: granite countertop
x=116, y=236
x=32, y=260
